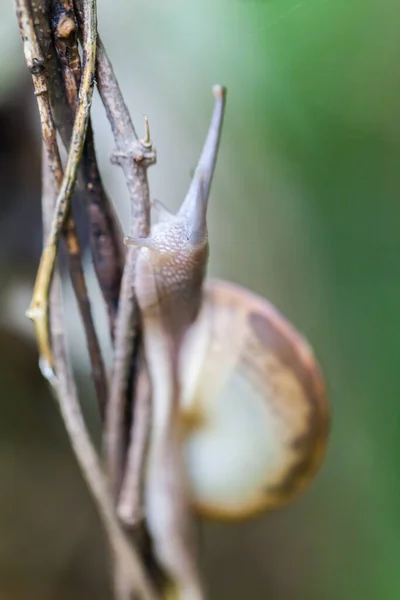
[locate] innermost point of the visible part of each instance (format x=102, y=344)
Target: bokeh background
x=305, y=210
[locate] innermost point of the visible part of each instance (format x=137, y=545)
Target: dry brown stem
x=36, y=63
x=39, y=309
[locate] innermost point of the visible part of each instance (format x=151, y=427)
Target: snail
x=240, y=418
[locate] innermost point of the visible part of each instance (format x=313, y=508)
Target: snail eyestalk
x=208, y=158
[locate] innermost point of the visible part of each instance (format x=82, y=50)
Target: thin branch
x=106, y=237
x=62, y=113
x=117, y=112
x=133, y=151
x=130, y=504
x=125, y=553
x=134, y=156
x=74, y=256
x=36, y=65
x=39, y=309
x=65, y=394
x=105, y=232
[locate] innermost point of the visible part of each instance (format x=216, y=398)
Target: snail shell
x=254, y=408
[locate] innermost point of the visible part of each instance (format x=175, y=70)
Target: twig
x=106, y=238
x=65, y=394
x=132, y=150
x=105, y=233
x=79, y=285
x=130, y=504
x=40, y=82
x=125, y=553
x=39, y=308
x=36, y=66
x=134, y=156
x=62, y=113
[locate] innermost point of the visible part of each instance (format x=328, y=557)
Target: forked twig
x=134, y=156
x=39, y=308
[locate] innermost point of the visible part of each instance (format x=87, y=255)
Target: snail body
x=170, y=269
x=240, y=418
x=169, y=274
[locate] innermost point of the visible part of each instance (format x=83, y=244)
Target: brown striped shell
x=254, y=409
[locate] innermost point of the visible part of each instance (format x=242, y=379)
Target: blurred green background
x=305, y=210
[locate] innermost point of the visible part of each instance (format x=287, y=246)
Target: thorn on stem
x=146, y=141
x=34, y=312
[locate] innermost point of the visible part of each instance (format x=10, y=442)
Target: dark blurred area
x=305, y=210
x=20, y=219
